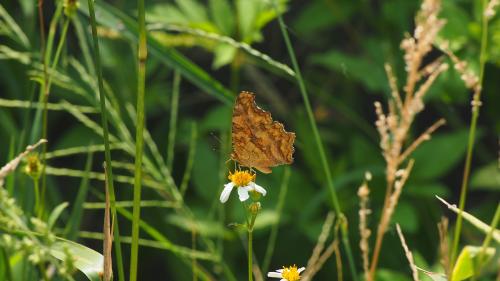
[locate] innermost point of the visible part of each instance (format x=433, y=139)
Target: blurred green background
x=221, y=47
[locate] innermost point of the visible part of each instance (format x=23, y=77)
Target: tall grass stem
x=139, y=139
x=472, y=134
x=107, y=153
x=46, y=91
x=317, y=139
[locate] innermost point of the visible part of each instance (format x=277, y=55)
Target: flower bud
x=70, y=7
x=33, y=166
x=254, y=208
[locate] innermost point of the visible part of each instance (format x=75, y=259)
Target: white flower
x=291, y=273
x=243, y=180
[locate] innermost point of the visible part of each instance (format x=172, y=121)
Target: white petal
x=258, y=188
x=243, y=193
x=226, y=192
x=280, y=270
x=274, y=275
x=301, y=269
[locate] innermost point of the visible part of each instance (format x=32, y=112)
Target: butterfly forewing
x=258, y=141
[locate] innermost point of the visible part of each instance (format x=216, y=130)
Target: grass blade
x=174, y=109
x=317, y=138
x=75, y=218
x=107, y=153
x=112, y=18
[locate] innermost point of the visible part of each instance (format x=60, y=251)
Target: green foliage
x=220, y=47
x=434, y=159
x=486, y=177
x=466, y=264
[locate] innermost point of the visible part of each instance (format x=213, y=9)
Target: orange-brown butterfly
x=258, y=141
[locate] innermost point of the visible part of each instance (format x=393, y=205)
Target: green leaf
x=224, y=54
x=166, y=13
x=223, y=16
x=247, y=12
x=486, y=177
x=438, y=155
x=54, y=215
x=463, y=267
x=354, y=67
x=194, y=11
x=88, y=261
x=466, y=264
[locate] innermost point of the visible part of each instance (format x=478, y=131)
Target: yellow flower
x=291, y=273
x=244, y=181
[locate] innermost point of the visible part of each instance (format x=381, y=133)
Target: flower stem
x=250, y=246
x=472, y=133
x=250, y=255
x=37, y=197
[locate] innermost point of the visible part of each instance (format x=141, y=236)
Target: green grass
x=161, y=123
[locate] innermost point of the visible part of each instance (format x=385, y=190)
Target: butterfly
x=258, y=141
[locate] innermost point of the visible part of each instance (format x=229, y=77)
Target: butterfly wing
x=258, y=141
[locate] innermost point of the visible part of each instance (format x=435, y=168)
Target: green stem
x=104, y=121
x=60, y=46
x=487, y=241
x=43, y=272
x=190, y=159
x=472, y=134
x=36, y=186
x=250, y=255
x=141, y=77
x=250, y=246
x=274, y=231
x=317, y=139
x=57, y=55
x=235, y=72
x=174, y=109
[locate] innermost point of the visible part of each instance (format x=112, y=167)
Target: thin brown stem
x=423, y=137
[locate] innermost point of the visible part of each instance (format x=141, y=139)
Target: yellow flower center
x=241, y=178
x=291, y=273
